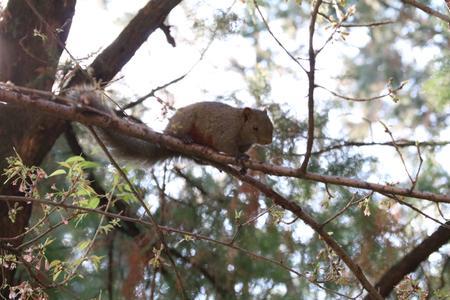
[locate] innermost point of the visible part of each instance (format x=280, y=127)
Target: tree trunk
x=32, y=36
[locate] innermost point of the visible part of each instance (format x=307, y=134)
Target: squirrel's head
x=257, y=126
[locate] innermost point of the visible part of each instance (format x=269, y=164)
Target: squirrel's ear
x=247, y=112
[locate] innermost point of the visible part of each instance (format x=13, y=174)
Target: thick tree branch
x=88, y=116
x=428, y=10
x=412, y=260
x=115, y=56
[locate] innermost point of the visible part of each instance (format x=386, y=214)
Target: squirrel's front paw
x=240, y=159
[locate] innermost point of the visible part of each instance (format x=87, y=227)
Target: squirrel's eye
x=255, y=128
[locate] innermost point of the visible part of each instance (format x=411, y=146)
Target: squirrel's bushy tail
x=122, y=146
x=134, y=149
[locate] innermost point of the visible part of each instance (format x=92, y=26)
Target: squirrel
x=224, y=128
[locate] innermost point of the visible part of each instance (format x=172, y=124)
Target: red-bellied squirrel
x=219, y=126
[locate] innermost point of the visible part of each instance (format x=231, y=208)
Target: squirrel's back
x=222, y=127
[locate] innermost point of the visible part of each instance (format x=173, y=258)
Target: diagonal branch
x=119, y=205
x=411, y=261
x=305, y=217
x=122, y=49
x=428, y=10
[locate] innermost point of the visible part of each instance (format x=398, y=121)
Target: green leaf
x=82, y=245
x=47, y=242
x=89, y=164
x=58, y=172
x=93, y=202
x=56, y=274
x=74, y=159
x=64, y=164
x=85, y=191
x=55, y=263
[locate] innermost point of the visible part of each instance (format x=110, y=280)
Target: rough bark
x=30, y=47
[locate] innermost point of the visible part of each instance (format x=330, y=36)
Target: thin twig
x=257, y=216
x=73, y=271
x=356, y=99
x=400, y=143
x=202, y=55
x=153, y=284
x=416, y=178
x=276, y=39
x=368, y=24
x=441, y=213
x=311, y=86
x=337, y=26
x=152, y=92
x=346, y=206
x=330, y=195
x=386, y=129
x=419, y=211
